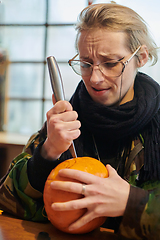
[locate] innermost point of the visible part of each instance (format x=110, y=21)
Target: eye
x=110, y=64
x=85, y=65
x=74, y=63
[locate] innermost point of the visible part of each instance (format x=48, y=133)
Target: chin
x=107, y=101
x=103, y=102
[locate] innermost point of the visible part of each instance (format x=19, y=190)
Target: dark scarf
x=139, y=116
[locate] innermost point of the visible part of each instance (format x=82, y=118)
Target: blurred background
x=32, y=30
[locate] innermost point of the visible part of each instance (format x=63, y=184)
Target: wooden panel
x=11, y=145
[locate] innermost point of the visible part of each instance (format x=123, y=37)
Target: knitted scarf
x=126, y=121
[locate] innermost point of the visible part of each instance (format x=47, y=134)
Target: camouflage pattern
x=142, y=216
x=16, y=194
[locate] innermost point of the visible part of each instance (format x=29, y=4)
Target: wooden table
x=16, y=229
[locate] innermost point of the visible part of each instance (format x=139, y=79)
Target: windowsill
x=13, y=139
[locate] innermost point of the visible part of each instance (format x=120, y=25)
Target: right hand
x=62, y=129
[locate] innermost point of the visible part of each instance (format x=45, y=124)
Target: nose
x=96, y=76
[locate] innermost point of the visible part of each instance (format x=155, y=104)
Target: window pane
x=70, y=81
x=47, y=106
x=149, y=11
x=25, y=80
x=22, y=11
x=24, y=116
x=48, y=88
x=152, y=71
x=61, y=11
x=61, y=42
x=23, y=43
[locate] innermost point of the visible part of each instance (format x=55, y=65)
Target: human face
x=101, y=45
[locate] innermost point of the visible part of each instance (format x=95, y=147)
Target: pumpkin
x=62, y=219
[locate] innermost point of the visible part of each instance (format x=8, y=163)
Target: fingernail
x=52, y=184
x=71, y=228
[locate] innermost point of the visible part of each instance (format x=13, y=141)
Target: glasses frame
x=120, y=61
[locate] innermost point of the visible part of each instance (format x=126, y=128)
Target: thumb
x=111, y=170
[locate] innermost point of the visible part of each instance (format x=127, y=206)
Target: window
x=32, y=30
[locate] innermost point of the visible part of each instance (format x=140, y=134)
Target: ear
x=143, y=56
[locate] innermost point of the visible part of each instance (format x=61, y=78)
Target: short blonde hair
x=116, y=17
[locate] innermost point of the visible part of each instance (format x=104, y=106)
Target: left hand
x=103, y=196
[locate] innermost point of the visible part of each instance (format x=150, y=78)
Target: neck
x=128, y=96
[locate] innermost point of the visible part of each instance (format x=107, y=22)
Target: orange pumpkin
x=62, y=219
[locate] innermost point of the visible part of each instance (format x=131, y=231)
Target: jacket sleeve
x=17, y=196
x=141, y=219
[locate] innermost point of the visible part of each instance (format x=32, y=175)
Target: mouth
x=100, y=90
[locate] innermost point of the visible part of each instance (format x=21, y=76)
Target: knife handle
x=58, y=90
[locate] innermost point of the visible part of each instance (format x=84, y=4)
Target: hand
x=103, y=196
x=62, y=129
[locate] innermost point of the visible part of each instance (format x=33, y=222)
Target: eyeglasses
x=110, y=68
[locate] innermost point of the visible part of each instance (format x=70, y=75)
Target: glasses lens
x=76, y=67
x=82, y=68
x=85, y=68
x=109, y=69
x=112, y=68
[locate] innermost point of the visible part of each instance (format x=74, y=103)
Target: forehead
x=102, y=40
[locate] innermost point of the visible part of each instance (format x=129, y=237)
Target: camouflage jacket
x=141, y=219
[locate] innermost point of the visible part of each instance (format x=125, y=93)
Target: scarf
x=126, y=121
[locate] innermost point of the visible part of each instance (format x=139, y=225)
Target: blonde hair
x=118, y=18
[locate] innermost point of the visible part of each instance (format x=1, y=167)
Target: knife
x=58, y=90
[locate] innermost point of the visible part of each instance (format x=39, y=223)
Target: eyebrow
x=107, y=57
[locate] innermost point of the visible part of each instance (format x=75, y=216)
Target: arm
x=17, y=196
x=21, y=189
x=142, y=216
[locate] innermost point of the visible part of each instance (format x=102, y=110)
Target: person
x=113, y=116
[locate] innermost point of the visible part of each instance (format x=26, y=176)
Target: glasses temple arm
x=72, y=59
x=132, y=55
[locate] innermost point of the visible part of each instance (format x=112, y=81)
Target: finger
x=86, y=218
x=70, y=205
x=67, y=186
x=67, y=116
x=74, y=134
x=67, y=206
x=81, y=176
x=72, y=125
x=64, y=121
x=61, y=106
x=67, y=131
x=76, y=187
x=111, y=170
x=61, y=116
